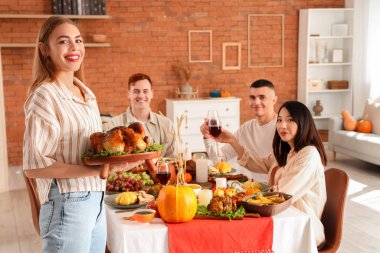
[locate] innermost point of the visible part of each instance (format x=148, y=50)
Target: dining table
x=291, y=233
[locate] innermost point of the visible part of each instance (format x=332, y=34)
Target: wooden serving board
x=106, y=161
x=208, y=217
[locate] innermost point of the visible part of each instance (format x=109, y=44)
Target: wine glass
x=163, y=172
x=214, y=126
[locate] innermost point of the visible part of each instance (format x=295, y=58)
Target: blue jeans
x=73, y=222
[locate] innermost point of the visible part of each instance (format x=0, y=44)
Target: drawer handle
x=227, y=125
x=185, y=111
x=186, y=143
x=186, y=127
x=227, y=109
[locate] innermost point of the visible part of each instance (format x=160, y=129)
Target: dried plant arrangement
x=182, y=70
x=181, y=162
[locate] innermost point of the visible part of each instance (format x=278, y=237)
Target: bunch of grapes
x=127, y=181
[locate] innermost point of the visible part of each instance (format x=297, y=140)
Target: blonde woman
x=60, y=115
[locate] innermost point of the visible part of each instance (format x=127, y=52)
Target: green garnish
x=104, y=153
x=154, y=147
x=239, y=213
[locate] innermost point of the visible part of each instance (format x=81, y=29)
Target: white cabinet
x=325, y=46
x=196, y=111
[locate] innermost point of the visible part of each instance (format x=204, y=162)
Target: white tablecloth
x=291, y=234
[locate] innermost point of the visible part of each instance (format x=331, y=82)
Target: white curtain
x=372, y=70
x=366, y=60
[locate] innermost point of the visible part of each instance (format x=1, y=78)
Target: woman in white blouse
x=297, y=163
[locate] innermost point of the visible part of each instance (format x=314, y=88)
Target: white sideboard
x=196, y=111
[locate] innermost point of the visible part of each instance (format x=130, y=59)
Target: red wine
x=215, y=130
x=163, y=177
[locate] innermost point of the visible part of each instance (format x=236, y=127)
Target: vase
x=317, y=108
x=186, y=89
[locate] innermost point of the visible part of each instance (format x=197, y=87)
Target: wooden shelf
x=43, y=16
x=322, y=117
x=33, y=45
x=329, y=90
x=330, y=37
x=329, y=64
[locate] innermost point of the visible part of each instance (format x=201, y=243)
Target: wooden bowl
x=267, y=210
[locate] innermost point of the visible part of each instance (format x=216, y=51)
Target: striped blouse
x=58, y=126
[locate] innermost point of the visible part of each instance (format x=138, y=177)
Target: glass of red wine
x=214, y=126
x=163, y=172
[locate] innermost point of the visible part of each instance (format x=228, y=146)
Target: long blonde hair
x=43, y=68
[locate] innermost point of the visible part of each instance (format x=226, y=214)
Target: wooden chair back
x=332, y=217
x=34, y=201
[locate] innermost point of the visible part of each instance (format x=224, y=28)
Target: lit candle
x=204, y=197
x=221, y=182
x=201, y=170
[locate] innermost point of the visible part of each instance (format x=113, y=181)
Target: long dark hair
x=307, y=133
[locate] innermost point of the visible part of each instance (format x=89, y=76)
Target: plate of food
x=118, y=145
x=237, y=177
x=96, y=159
x=222, y=206
x=221, y=168
x=121, y=144
x=124, y=200
x=267, y=203
x=215, y=172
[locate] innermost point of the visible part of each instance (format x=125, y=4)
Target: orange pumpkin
x=364, y=126
x=188, y=177
x=349, y=123
x=225, y=94
x=177, y=203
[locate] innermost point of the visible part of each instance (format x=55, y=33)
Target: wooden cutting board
x=208, y=217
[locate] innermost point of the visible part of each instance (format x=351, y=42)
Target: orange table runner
x=250, y=235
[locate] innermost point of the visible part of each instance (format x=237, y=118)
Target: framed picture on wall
x=337, y=55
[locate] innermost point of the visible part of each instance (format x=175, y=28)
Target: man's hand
x=204, y=130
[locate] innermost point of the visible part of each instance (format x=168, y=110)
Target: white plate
x=110, y=200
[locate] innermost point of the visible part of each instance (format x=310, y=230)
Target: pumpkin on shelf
x=225, y=94
x=349, y=123
x=364, y=126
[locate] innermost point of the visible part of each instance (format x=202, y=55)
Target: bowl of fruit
x=122, y=181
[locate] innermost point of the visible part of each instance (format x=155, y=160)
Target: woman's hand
x=124, y=166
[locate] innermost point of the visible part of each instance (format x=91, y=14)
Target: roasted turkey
x=222, y=204
x=121, y=138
